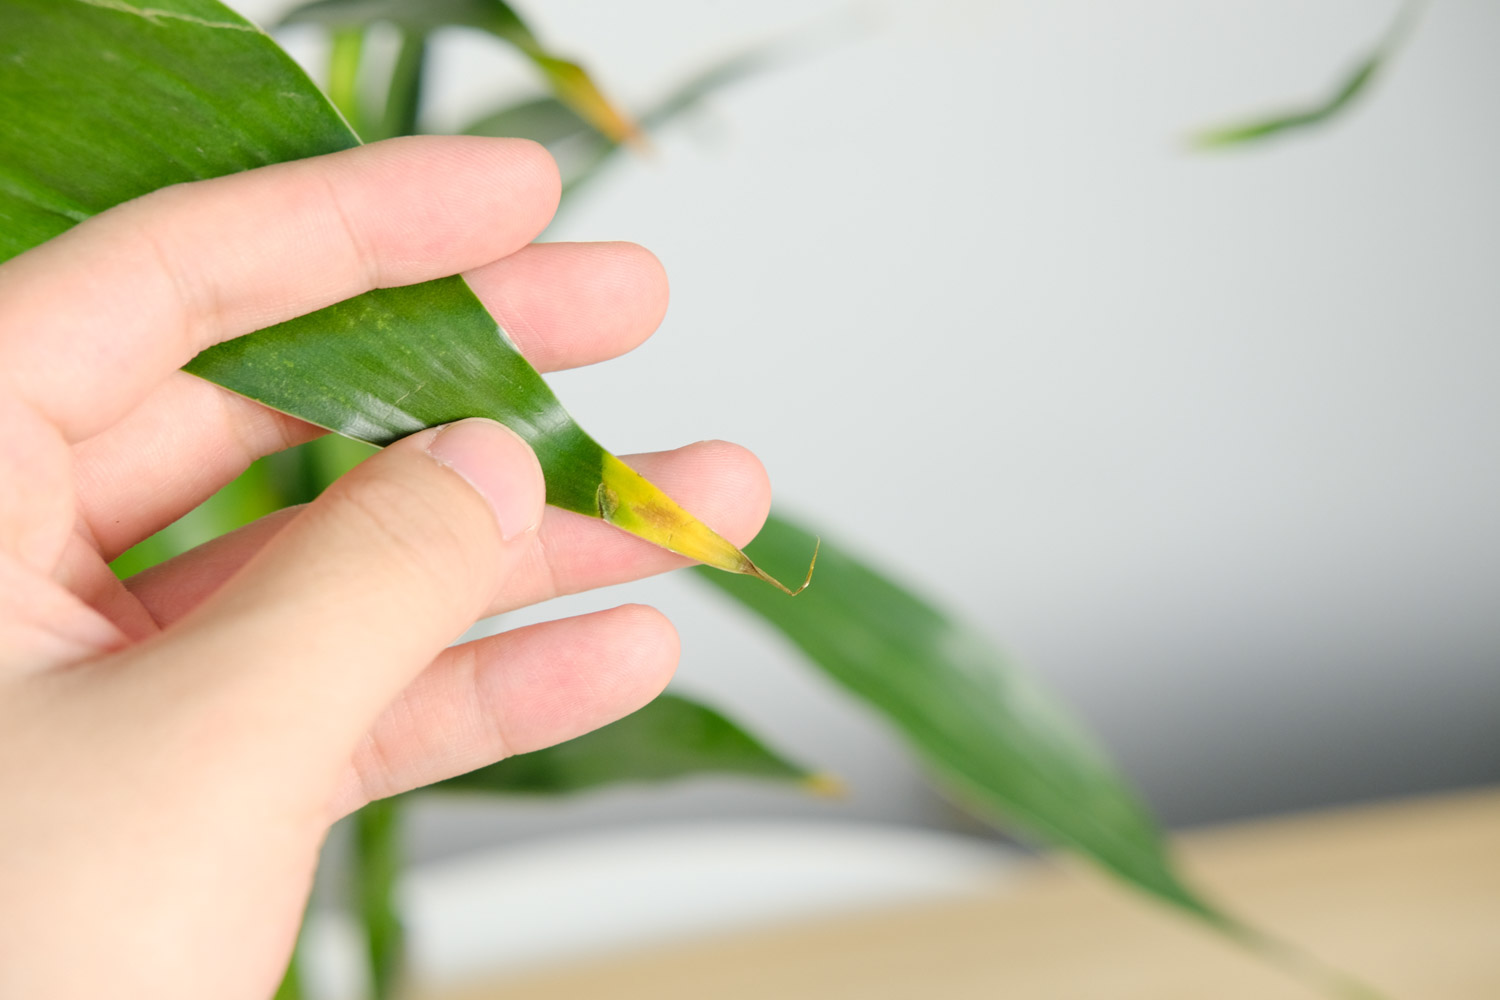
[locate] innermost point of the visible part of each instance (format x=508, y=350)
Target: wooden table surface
x=1406, y=895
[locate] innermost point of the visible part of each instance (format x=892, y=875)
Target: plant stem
x=403, y=102
x=377, y=863
x=348, y=47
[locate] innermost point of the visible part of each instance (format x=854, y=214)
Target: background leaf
x=377, y=846
x=1340, y=100
x=670, y=738
x=403, y=100
x=569, y=81
x=988, y=733
x=581, y=149
x=984, y=728
x=543, y=119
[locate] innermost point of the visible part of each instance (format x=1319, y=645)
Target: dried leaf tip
x=760, y=574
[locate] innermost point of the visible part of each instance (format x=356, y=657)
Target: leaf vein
x=156, y=14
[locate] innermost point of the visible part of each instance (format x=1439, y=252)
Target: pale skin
x=174, y=749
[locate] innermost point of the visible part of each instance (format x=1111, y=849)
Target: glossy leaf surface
x=569, y=81
x=1338, y=101
x=671, y=738
x=101, y=102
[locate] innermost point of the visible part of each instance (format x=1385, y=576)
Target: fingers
x=566, y=304
x=169, y=590
x=512, y=693
x=170, y=454
x=45, y=624
x=572, y=304
x=722, y=483
x=356, y=594
x=91, y=321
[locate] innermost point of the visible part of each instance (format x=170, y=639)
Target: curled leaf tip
x=760, y=574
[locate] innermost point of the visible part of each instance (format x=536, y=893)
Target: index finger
x=91, y=320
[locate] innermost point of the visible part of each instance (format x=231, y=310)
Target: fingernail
x=500, y=466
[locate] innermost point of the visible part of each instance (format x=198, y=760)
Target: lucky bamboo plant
x=220, y=97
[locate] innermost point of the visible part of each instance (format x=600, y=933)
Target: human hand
x=173, y=749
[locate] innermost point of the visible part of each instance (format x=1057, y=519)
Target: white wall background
x=1212, y=442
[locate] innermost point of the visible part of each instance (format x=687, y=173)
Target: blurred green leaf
x=542, y=119
x=986, y=729
x=1343, y=96
x=403, y=100
x=346, y=52
x=377, y=863
x=569, y=81
x=582, y=150
x=670, y=738
x=990, y=735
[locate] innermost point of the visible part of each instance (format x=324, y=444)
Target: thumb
x=348, y=602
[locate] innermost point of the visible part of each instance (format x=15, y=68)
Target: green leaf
x=542, y=119
x=987, y=731
x=1339, y=100
x=670, y=738
x=984, y=727
x=403, y=102
x=346, y=51
x=376, y=866
x=569, y=81
x=101, y=102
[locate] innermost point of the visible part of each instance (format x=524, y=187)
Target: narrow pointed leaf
x=346, y=50
x=583, y=150
x=569, y=81
x=1339, y=100
x=103, y=102
x=403, y=101
x=542, y=119
x=990, y=735
x=377, y=849
x=985, y=728
x=669, y=739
